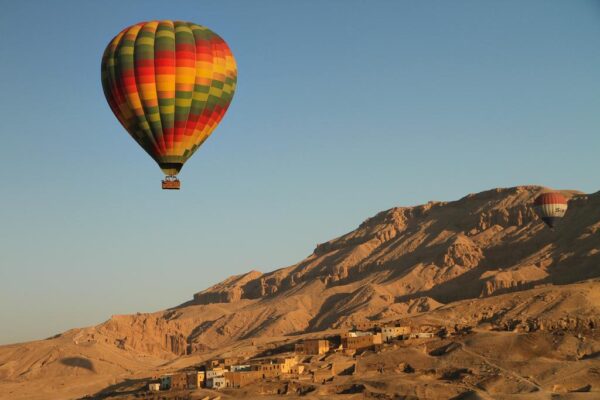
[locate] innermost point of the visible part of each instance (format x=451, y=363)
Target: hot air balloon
x=169, y=84
x=550, y=207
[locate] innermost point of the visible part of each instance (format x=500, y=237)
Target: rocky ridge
x=400, y=262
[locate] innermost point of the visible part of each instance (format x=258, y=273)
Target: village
x=327, y=362
x=303, y=362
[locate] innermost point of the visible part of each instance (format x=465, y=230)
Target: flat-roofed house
x=269, y=370
x=154, y=387
x=288, y=363
x=219, y=382
x=312, y=347
x=211, y=373
x=322, y=375
x=393, y=332
x=297, y=369
x=361, y=341
x=238, y=368
x=228, y=361
x=365, y=325
x=165, y=382
x=195, y=379
x=179, y=381
x=241, y=378
x=422, y=335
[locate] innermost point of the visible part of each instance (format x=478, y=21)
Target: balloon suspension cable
x=171, y=183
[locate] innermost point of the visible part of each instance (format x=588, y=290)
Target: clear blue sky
x=344, y=108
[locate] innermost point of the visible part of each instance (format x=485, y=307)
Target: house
x=212, y=373
x=297, y=369
x=322, y=375
x=312, y=346
x=241, y=378
x=269, y=370
x=195, y=379
x=365, y=325
x=154, y=387
x=355, y=333
x=165, y=382
x=276, y=367
x=218, y=382
x=228, y=361
x=240, y=367
x=393, y=332
x=361, y=340
x=179, y=381
x=223, y=362
x=422, y=335
x=288, y=363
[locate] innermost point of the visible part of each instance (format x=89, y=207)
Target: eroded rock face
x=434, y=243
x=230, y=290
x=148, y=333
x=576, y=324
x=400, y=262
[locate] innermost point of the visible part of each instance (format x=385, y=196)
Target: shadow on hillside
x=127, y=387
x=275, y=351
x=324, y=318
x=78, y=362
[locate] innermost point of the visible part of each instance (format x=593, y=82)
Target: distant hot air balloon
x=550, y=207
x=169, y=84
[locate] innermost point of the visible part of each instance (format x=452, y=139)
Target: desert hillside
x=486, y=258
x=401, y=261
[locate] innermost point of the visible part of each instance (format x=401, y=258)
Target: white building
x=212, y=373
x=358, y=334
x=217, y=382
x=237, y=368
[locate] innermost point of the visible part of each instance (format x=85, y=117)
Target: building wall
x=241, y=378
x=392, y=332
x=313, y=346
x=179, y=381
x=365, y=325
x=270, y=370
x=322, y=375
x=214, y=372
x=165, y=382
x=154, y=387
x=219, y=382
x=361, y=342
x=297, y=369
x=287, y=362
x=422, y=335
x=195, y=380
x=228, y=361
x=236, y=368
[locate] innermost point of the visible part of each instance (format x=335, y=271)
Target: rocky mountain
x=486, y=258
x=402, y=261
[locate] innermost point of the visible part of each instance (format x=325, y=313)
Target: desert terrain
x=519, y=304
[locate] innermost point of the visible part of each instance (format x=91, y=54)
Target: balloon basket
x=171, y=183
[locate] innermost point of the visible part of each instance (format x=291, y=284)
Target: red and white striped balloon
x=550, y=207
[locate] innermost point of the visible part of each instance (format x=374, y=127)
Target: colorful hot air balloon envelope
x=550, y=207
x=169, y=84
